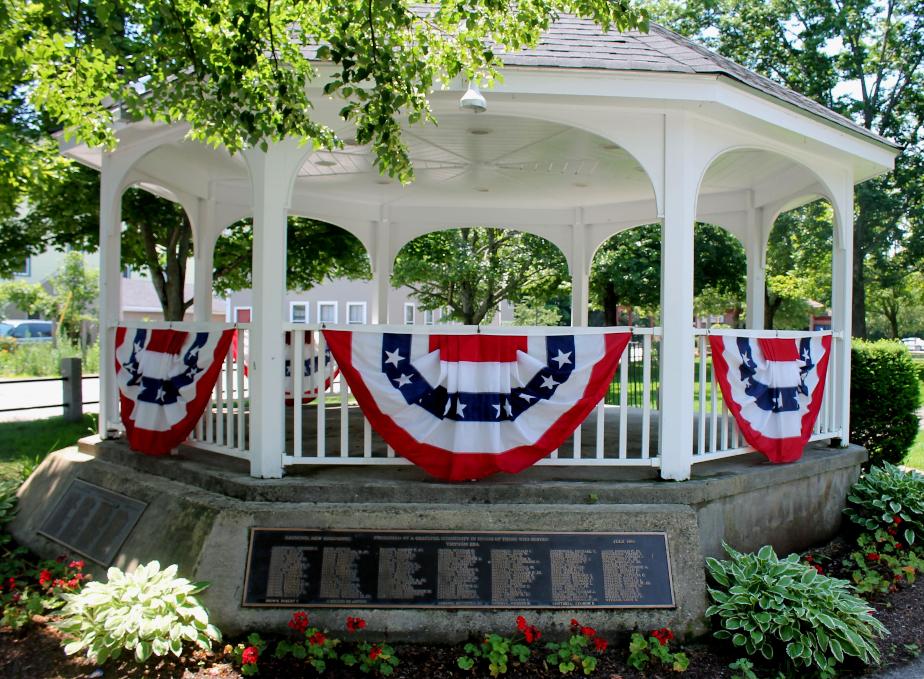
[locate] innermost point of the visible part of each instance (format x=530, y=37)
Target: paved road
x=20, y=394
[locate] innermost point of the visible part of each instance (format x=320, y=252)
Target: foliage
x=861, y=58
x=881, y=562
x=8, y=500
x=30, y=588
x=43, y=359
x=470, y=271
x=26, y=440
x=247, y=656
x=783, y=608
x=148, y=611
x=577, y=651
x=655, y=649
x=535, y=312
x=744, y=669
x=884, y=398
x=377, y=658
x=889, y=499
x=311, y=645
x=496, y=650
x=626, y=269
x=898, y=297
x=240, y=72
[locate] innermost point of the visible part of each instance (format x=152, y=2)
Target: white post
x=757, y=269
x=271, y=176
x=381, y=269
x=580, y=275
x=681, y=174
x=842, y=305
x=204, y=258
x=110, y=282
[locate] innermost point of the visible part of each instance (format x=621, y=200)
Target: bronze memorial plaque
x=92, y=521
x=292, y=567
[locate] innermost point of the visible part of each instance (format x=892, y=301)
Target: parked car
x=30, y=332
x=913, y=343
x=5, y=328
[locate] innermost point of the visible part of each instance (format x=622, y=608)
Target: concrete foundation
x=200, y=509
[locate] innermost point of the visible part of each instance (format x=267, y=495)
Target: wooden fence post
x=72, y=389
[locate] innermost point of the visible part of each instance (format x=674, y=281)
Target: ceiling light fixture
x=479, y=131
x=482, y=189
x=473, y=100
x=610, y=146
x=325, y=163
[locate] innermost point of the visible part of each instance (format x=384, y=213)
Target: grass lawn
x=915, y=456
x=24, y=442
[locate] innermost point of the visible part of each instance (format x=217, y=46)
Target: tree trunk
x=858, y=307
x=770, y=308
x=610, y=307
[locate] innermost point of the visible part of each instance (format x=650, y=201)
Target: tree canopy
x=861, y=58
x=470, y=271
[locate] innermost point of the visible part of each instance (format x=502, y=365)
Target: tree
x=862, y=58
x=470, y=271
x=237, y=70
x=63, y=212
x=899, y=302
x=626, y=270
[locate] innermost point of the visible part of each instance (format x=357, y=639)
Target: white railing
x=333, y=431
x=716, y=434
x=223, y=427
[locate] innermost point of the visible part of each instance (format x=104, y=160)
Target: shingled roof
x=580, y=43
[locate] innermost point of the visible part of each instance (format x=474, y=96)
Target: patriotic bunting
x=464, y=406
x=774, y=388
x=165, y=378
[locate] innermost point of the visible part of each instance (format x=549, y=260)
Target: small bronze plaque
x=92, y=521
x=292, y=567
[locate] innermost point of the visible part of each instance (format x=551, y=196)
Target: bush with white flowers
x=148, y=611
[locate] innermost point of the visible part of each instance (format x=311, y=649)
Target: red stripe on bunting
x=783, y=450
x=479, y=348
x=166, y=341
x=470, y=466
x=779, y=348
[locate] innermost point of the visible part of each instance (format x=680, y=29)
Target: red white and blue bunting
x=309, y=361
x=165, y=378
x=464, y=406
x=773, y=387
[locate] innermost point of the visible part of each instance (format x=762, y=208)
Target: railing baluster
x=646, y=396
x=367, y=438
x=320, y=372
x=241, y=421
x=714, y=421
x=724, y=425
x=624, y=403
x=601, y=412
x=344, y=417
x=229, y=389
x=297, y=369
x=701, y=423
x=219, y=415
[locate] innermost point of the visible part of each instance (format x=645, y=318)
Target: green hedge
x=884, y=399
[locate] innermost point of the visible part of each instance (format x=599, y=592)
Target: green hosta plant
x=768, y=605
x=7, y=501
x=149, y=611
x=888, y=498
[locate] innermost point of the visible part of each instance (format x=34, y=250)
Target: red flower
x=299, y=622
x=891, y=531
x=374, y=652
x=250, y=656
x=589, y=632
x=73, y=583
x=44, y=576
x=663, y=635
x=872, y=556
x=532, y=633
x=521, y=623
x=317, y=639
x=353, y=624
x=819, y=569
x=808, y=558
x=77, y=565
x=575, y=623
x=896, y=520
x=11, y=583
x=600, y=643
x=17, y=597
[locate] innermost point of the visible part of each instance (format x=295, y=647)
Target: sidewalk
x=25, y=394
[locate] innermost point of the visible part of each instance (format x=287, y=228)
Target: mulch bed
x=36, y=653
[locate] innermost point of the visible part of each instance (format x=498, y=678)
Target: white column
x=580, y=274
x=676, y=356
x=381, y=269
x=204, y=257
x=842, y=305
x=110, y=282
x=271, y=176
x=757, y=269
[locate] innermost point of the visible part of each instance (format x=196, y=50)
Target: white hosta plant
x=148, y=611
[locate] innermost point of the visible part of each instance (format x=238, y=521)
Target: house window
x=298, y=312
x=327, y=312
x=356, y=313
x=409, y=314
x=26, y=269
x=429, y=316
x=242, y=314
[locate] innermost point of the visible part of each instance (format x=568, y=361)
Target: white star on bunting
x=549, y=383
x=394, y=357
x=562, y=358
x=401, y=381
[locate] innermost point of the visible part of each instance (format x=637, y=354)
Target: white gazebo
x=589, y=134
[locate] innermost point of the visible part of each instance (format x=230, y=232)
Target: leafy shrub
x=28, y=589
x=148, y=611
x=312, y=645
x=377, y=658
x=577, y=651
x=884, y=398
x=246, y=656
x=8, y=500
x=888, y=498
x=769, y=606
x=881, y=563
x=43, y=359
x=655, y=649
x=496, y=650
